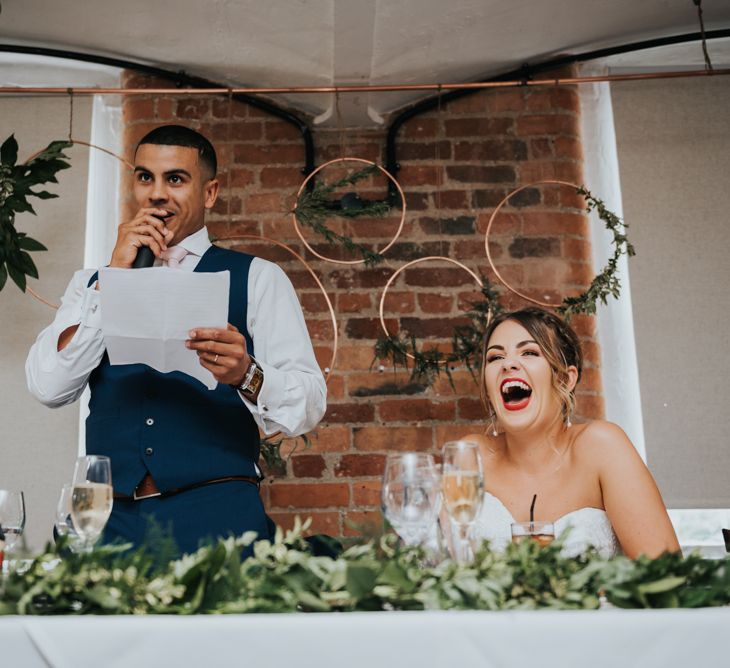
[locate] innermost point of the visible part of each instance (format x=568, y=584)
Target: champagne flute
x=12, y=518
x=463, y=491
x=411, y=495
x=91, y=498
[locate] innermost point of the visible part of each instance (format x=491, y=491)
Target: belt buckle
x=136, y=497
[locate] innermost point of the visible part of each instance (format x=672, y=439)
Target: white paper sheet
x=147, y=314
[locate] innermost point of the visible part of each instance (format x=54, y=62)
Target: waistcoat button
x=149, y=422
x=149, y=452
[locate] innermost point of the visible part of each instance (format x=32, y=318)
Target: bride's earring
x=493, y=422
x=568, y=423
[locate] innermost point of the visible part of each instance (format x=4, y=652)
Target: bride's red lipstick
x=515, y=405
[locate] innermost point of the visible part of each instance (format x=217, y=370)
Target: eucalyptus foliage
x=314, y=206
x=282, y=576
x=605, y=284
x=16, y=183
x=429, y=363
x=270, y=451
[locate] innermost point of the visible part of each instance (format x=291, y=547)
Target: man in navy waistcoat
x=180, y=453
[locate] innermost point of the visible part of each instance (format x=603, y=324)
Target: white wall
x=673, y=140
x=38, y=445
x=619, y=369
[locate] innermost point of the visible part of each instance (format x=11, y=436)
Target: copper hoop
x=410, y=264
x=328, y=370
x=319, y=169
x=28, y=289
x=489, y=228
x=88, y=144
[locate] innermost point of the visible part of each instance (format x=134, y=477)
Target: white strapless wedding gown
x=589, y=527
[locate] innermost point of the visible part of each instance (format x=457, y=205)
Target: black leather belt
x=147, y=488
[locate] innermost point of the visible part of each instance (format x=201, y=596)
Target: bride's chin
x=521, y=423
x=517, y=425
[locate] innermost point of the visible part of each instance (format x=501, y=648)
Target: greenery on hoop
x=467, y=339
x=270, y=452
x=16, y=181
x=315, y=205
x=606, y=284
x=283, y=576
x=428, y=363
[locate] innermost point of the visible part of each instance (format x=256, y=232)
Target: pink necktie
x=173, y=256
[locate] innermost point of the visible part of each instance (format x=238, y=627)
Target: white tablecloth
x=542, y=639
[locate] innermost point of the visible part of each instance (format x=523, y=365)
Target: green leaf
x=360, y=580
x=54, y=150
x=9, y=151
x=19, y=205
x=394, y=575
x=661, y=586
x=17, y=276
x=312, y=602
x=25, y=262
x=43, y=194
x=26, y=243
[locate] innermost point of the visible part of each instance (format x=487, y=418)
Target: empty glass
x=12, y=517
x=411, y=495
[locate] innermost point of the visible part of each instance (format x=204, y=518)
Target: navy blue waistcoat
x=169, y=424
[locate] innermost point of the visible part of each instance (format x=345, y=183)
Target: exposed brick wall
x=457, y=163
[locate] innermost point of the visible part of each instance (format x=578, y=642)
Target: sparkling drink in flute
x=462, y=495
x=91, y=498
x=462, y=483
x=91, y=505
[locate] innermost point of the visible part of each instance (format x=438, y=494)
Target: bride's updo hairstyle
x=558, y=343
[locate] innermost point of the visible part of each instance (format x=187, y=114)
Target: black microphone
x=145, y=258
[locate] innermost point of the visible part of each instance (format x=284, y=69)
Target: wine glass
x=91, y=498
x=63, y=522
x=12, y=517
x=462, y=482
x=411, y=495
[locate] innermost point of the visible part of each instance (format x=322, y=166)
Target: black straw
x=532, y=513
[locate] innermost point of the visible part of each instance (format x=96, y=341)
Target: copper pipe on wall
x=559, y=81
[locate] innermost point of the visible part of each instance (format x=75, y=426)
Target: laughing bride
x=586, y=476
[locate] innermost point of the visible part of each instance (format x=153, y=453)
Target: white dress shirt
x=293, y=396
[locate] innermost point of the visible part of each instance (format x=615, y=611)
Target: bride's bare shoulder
x=602, y=432
x=599, y=439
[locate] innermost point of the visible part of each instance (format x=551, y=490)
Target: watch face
x=254, y=382
x=258, y=377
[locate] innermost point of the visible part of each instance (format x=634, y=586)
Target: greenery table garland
x=282, y=576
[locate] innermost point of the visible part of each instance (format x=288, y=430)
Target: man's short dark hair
x=179, y=135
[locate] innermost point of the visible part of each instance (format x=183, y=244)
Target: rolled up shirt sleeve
x=293, y=397
x=57, y=378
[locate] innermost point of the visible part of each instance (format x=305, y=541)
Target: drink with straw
x=543, y=533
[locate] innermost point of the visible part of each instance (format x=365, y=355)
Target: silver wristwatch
x=252, y=381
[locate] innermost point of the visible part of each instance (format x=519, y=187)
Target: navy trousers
x=194, y=517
